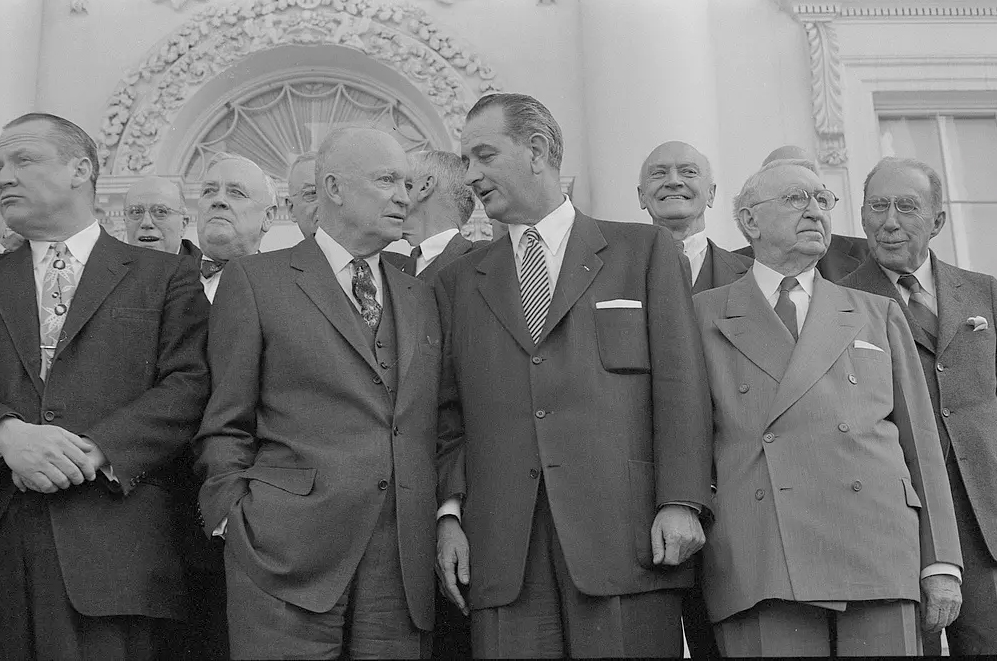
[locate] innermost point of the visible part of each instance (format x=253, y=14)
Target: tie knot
x=532, y=236
x=360, y=266
x=417, y=252
x=788, y=284
x=680, y=246
x=60, y=249
x=909, y=282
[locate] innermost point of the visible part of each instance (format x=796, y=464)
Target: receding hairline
x=675, y=143
x=176, y=187
x=342, y=147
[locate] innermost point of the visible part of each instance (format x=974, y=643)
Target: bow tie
x=210, y=267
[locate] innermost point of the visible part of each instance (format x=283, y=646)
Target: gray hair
x=448, y=170
x=934, y=180
x=268, y=181
x=524, y=118
x=749, y=191
x=307, y=157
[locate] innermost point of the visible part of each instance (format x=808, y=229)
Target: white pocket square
x=618, y=303
x=862, y=344
x=978, y=323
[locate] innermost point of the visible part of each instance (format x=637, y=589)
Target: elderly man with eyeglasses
x=156, y=217
x=302, y=198
x=832, y=507
x=951, y=315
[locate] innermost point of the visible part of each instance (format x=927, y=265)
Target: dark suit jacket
x=720, y=268
x=961, y=374
x=842, y=257
x=300, y=428
x=611, y=405
x=188, y=249
x=456, y=247
x=129, y=373
x=830, y=481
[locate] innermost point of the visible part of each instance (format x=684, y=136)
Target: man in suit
x=236, y=209
x=441, y=204
x=832, y=509
x=950, y=312
x=302, y=198
x=318, y=444
x=676, y=187
x=845, y=253
x=574, y=413
x=102, y=379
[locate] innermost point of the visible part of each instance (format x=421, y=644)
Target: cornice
x=906, y=10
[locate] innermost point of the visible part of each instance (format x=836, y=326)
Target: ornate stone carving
x=178, y=4
x=826, y=92
x=79, y=6
x=400, y=36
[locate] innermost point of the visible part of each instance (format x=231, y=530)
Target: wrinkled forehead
x=675, y=154
x=781, y=178
x=154, y=191
x=36, y=134
x=234, y=172
x=899, y=181
x=488, y=127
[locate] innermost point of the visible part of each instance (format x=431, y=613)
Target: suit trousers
x=975, y=630
x=787, y=628
x=371, y=619
x=37, y=619
x=550, y=618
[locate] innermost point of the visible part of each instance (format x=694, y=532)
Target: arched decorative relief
x=400, y=36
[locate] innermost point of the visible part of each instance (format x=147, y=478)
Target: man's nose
x=401, y=197
x=147, y=223
x=672, y=178
x=472, y=175
x=891, y=219
x=219, y=203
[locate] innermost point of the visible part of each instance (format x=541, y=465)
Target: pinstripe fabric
x=534, y=285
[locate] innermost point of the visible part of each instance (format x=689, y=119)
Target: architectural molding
x=826, y=92
x=892, y=9
x=398, y=35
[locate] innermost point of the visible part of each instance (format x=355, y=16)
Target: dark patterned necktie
x=209, y=267
x=785, y=308
x=366, y=292
x=926, y=319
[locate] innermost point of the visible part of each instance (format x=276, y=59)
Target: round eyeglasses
x=903, y=204
x=799, y=199
x=159, y=212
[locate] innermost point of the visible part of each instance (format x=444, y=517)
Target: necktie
x=785, y=308
x=58, y=286
x=366, y=292
x=918, y=307
x=413, y=263
x=209, y=267
x=684, y=259
x=534, y=285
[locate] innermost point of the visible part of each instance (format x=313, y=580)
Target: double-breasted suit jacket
x=303, y=439
x=610, y=405
x=129, y=373
x=830, y=483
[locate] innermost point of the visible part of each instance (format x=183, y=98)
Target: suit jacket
x=830, y=481
x=611, y=406
x=188, y=249
x=720, y=268
x=843, y=256
x=129, y=373
x=456, y=247
x=961, y=374
x=300, y=428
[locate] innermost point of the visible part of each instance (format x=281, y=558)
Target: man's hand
x=941, y=599
x=452, y=560
x=46, y=458
x=675, y=535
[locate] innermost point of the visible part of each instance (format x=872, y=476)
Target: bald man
x=156, y=216
x=845, y=253
x=318, y=443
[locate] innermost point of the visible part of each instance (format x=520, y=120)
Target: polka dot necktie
x=58, y=286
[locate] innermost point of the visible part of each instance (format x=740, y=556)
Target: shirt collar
x=552, y=228
x=436, y=244
x=80, y=245
x=338, y=256
x=924, y=274
x=769, y=280
x=695, y=244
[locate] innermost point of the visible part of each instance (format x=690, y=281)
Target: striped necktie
x=534, y=285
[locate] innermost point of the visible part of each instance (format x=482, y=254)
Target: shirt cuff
x=220, y=530
x=450, y=507
x=693, y=506
x=936, y=568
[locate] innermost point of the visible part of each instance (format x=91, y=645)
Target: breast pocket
x=621, y=334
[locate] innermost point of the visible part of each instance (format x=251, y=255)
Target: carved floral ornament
x=400, y=36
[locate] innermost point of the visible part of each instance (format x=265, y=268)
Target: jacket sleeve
x=451, y=478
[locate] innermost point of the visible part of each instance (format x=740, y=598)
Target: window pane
x=972, y=144
x=977, y=220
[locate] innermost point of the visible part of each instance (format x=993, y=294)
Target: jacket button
x=379, y=344
x=541, y=414
x=939, y=367
x=534, y=473
x=852, y=380
x=382, y=485
x=384, y=365
x=856, y=486
x=536, y=360
x=49, y=416
x=842, y=427
x=743, y=388
x=377, y=380
x=945, y=413
x=395, y=430
x=759, y=494
x=768, y=437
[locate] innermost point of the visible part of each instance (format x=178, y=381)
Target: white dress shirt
x=554, y=229
x=769, y=280
x=210, y=284
x=926, y=277
x=694, y=248
x=340, y=260
x=432, y=247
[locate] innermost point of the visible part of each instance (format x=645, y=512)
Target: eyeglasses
x=903, y=204
x=159, y=212
x=799, y=199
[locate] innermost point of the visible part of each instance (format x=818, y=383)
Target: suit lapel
x=19, y=310
x=831, y=325
x=580, y=266
x=951, y=310
x=754, y=329
x=106, y=266
x=407, y=316
x=707, y=273
x=871, y=278
x=456, y=247
x=498, y=283
x=320, y=285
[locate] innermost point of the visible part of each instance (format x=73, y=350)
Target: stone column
x=20, y=49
